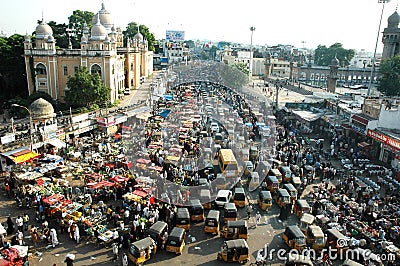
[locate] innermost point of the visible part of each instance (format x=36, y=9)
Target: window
x=76, y=69
x=41, y=69
x=131, y=66
x=65, y=70
x=95, y=70
x=131, y=82
x=42, y=84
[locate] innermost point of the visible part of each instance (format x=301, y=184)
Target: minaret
x=333, y=75
x=391, y=37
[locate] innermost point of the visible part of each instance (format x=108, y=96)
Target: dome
x=83, y=39
x=99, y=32
x=105, y=18
x=43, y=31
x=335, y=61
x=27, y=38
x=50, y=38
x=138, y=36
x=107, y=39
x=42, y=109
x=394, y=20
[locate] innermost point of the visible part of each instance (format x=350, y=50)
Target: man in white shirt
x=20, y=223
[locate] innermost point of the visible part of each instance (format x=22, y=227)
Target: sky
x=306, y=23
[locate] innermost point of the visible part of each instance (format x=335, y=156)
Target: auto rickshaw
x=196, y=210
x=235, y=230
x=265, y=200
x=292, y=191
x=275, y=172
x=182, y=218
x=253, y=153
x=305, y=221
x=248, y=167
x=272, y=183
x=220, y=181
x=235, y=250
x=211, y=224
x=286, y=173
x=296, y=181
x=282, y=197
x=239, y=197
x=156, y=232
x=336, y=240
x=230, y=212
x=142, y=250
x=205, y=198
x=315, y=238
x=294, y=237
x=176, y=240
x=301, y=206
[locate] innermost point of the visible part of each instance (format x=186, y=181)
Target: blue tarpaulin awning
x=168, y=97
x=164, y=113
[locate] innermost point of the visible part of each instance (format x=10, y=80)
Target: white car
x=214, y=127
x=127, y=91
x=223, y=196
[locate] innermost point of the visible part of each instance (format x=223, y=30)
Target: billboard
x=174, y=35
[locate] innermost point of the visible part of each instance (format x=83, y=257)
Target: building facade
x=101, y=50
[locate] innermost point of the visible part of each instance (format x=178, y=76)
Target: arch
x=41, y=69
x=95, y=69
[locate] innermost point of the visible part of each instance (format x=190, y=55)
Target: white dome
x=138, y=36
x=99, y=32
x=105, y=18
x=43, y=31
x=50, y=38
x=83, y=39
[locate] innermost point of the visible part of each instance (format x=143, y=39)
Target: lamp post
x=376, y=46
x=252, y=29
x=30, y=121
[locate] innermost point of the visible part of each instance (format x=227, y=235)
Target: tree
x=77, y=21
x=59, y=33
x=86, y=90
x=131, y=31
x=324, y=55
x=389, y=81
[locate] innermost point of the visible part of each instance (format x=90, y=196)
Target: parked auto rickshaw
x=248, y=167
x=296, y=181
x=275, y=172
x=196, y=210
x=156, y=232
x=235, y=230
x=220, y=181
x=142, y=250
x=253, y=153
x=176, y=240
x=301, y=206
x=265, y=200
x=292, y=191
x=294, y=237
x=305, y=221
x=316, y=238
x=286, y=173
x=205, y=198
x=282, y=197
x=336, y=240
x=235, y=250
x=211, y=224
x=239, y=197
x=182, y=218
x=230, y=212
x=272, y=183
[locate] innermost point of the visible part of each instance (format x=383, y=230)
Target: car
x=214, y=127
x=223, y=196
x=127, y=91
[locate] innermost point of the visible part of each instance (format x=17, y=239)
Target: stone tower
x=391, y=37
x=333, y=75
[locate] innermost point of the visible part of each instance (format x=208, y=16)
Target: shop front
x=389, y=146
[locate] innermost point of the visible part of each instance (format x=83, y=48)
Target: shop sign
x=106, y=121
x=50, y=128
x=84, y=124
x=385, y=139
x=358, y=129
x=7, y=139
x=79, y=118
x=121, y=119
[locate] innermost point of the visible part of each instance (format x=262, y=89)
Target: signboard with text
x=175, y=35
x=394, y=143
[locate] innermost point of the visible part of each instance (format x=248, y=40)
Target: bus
x=228, y=163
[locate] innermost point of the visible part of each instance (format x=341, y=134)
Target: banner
x=383, y=138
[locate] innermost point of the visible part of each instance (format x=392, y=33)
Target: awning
x=56, y=143
x=363, y=144
x=139, y=193
x=360, y=119
x=168, y=97
x=23, y=156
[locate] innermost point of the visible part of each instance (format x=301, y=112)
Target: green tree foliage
x=77, y=21
x=190, y=44
x=12, y=68
x=86, y=90
x=242, y=67
x=324, y=55
x=59, y=33
x=132, y=29
x=389, y=81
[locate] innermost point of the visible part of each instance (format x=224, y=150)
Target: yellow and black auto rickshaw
x=142, y=250
x=248, y=167
x=275, y=172
x=176, y=240
x=336, y=240
x=182, y=218
x=235, y=230
x=264, y=200
x=235, y=250
x=220, y=181
x=294, y=237
x=239, y=197
x=196, y=210
x=282, y=197
x=296, y=181
x=230, y=212
x=316, y=238
x=301, y=206
x=157, y=231
x=205, y=198
x=292, y=191
x=211, y=224
x=306, y=220
x=286, y=173
x=272, y=183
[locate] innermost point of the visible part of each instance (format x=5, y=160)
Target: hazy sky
x=308, y=23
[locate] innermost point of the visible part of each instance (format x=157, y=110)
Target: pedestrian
x=20, y=237
x=53, y=237
x=76, y=234
x=249, y=210
x=125, y=261
x=25, y=219
x=115, y=251
x=34, y=235
x=258, y=218
x=10, y=226
x=20, y=223
x=69, y=259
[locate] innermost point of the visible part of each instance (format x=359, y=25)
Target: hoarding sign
x=174, y=35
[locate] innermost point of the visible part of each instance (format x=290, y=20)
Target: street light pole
x=376, y=46
x=252, y=29
x=30, y=122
